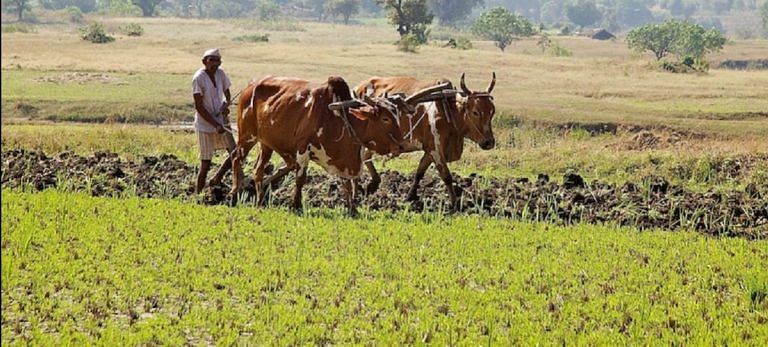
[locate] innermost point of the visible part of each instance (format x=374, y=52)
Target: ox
x=304, y=121
x=441, y=135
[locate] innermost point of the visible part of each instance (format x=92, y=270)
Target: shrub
x=253, y=38
x=687, y=65
x=559, y=51
x=75, y=15
x=95, y=33
x=408, y=43
x=132, y=29
x=19, y=28
x=461, y=43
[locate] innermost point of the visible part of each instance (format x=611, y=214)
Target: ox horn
x=464, y=85
x=493, y=83
x=345, y=104
x=415, y=98
x=399, y=100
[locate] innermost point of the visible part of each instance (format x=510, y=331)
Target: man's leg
x=205, y=144
x=205, y=165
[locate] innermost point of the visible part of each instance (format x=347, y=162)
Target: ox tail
x=339, y=88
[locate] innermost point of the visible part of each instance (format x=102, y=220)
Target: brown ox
x=439, y=134
x=293, y=117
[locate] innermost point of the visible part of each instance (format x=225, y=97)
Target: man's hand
x=220, y=129
x=225, y=109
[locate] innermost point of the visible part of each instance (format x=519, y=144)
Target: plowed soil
x=650, y=203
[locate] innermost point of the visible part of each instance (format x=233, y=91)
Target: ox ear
x=362, y=113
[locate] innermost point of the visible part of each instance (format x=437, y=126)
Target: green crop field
x=124, y=269
x=137, y=271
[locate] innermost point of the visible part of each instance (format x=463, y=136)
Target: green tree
x=502, y=27
x=84, y=5
x=681, y=38
x=147, y=6
x=583, y=13
x=448, y=12
x=343, y=8
x=318, y=8
x=409, y=16
x=268, y=9
x=18, y=7
x=764, y=16
x=695, y=42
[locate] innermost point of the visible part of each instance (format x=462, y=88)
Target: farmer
x=210, y=89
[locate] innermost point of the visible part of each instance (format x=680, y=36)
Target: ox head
x=478, y=114
x=381, y=129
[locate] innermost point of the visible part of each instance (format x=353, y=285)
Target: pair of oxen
x=341, y=129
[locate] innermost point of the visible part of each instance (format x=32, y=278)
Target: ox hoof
x=298, y=210
x=371, y=188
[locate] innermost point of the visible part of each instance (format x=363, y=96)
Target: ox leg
x=238, y=157
x=413, y=193
x=375, y=182
x=258, y=173
x=445, y=174
x=301, y=178
x=349, y=192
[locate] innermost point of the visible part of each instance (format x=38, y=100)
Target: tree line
x=613, y=15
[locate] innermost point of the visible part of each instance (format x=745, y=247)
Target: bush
x=408, y=43
x=75, y=15
x=559, y=51
x=688, y=65
x=19, y=28
x=132, y=29
x=95, y=33
x=253, y=38
x=461, y=43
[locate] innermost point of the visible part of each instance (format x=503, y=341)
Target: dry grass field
x=602, y=82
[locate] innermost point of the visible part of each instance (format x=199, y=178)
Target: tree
x=502, y=27
x=268, y=9
x=684, y=39
x=695, y=42
x=583, y=13
x=344, y=8
x=410, y=17
x=448, y=12
x=764, y=16
x=318, y=8
x=147, y=6
x=633, y=13
x=17, y=6
x=84, y=5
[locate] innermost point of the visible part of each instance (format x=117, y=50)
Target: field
x=662, y=242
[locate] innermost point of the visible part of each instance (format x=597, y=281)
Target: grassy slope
x=140, y=271
x=603, y=81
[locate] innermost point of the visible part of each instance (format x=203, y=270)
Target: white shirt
x=213, y=97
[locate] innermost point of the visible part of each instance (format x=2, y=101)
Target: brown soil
x=650, y=203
